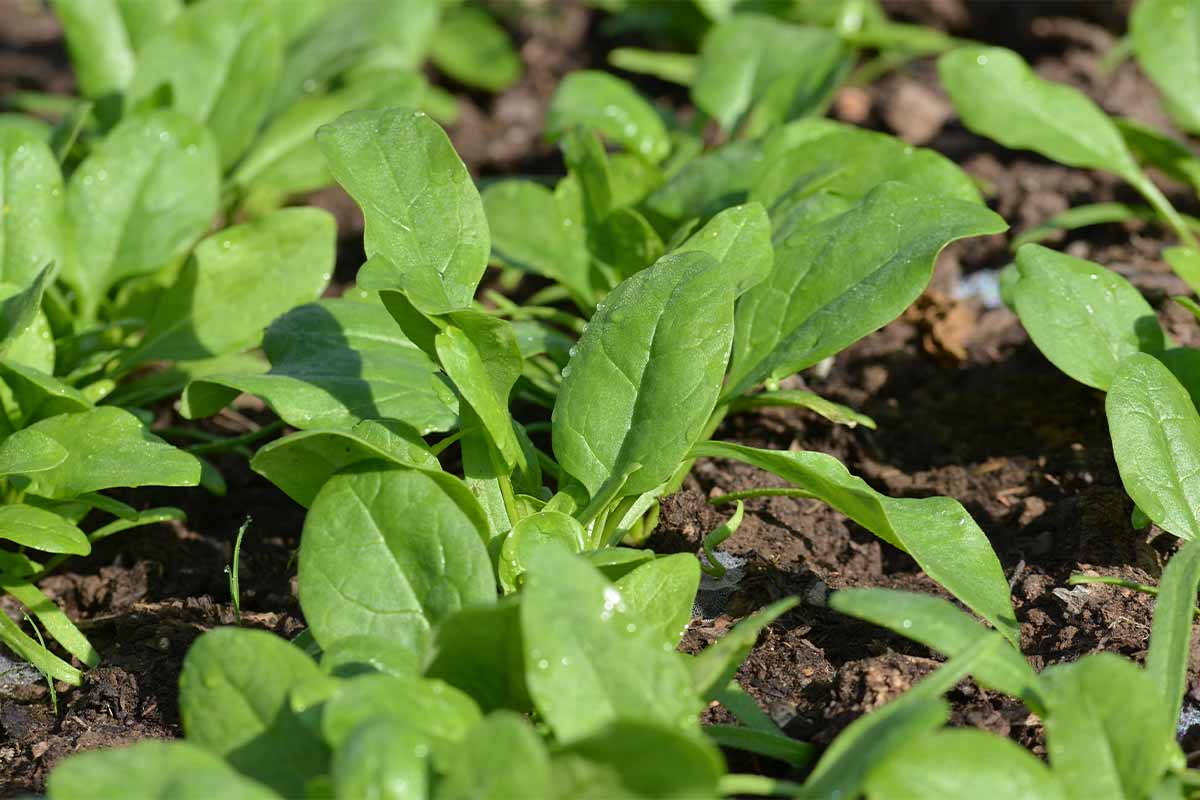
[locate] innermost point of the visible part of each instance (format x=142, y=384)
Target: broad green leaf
x=19, y=312
x=1165, y=40
x=635, y=760
x=145, y=18
x=661, y=593
x=286, y=159
x=838, y=280
x=29, y=649
x=1104, y=727
x=872, y=738
x=479, y=651
x=677, y=68
x=333, y=364
x=32, y=452
x=611, y=106
x=1152, y=147
x=422, y=211
x=142, y=197
x=31, y=227
x=1083, y=317
x=533, y=532
x=1171, y=631
x=363, y=654
x=302, y=463
x=36, y=395
x=555, y=248
x=107, y=448
x=772, y=745
x=999, y=96
x=391, y=552
x=480, y=354
x=482, y=472
x=1155, y=432
x=936, y=531
x=470, y=47
x=382, y=759
x=938, y=624
x=589, y=661
x=435, y=710
x=739, y=238
x=220, y=60
x=710, y=183
x=1185, y=261
x=233, y=701
x=237, y=282
x=962, y=763
x=41, y=530
x=152, y=770
x=632, y=178
x=715, y=666
x=646, y=374
x=626, y=242
x=502, y=756
x=99, y=45
x=756, y=62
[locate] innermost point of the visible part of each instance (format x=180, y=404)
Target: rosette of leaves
x=58, y=453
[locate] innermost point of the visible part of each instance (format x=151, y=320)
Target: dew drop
x=631, y=628
x=543, y=664
x=906, y=624
x=421, y=751
x=981, y=60
x=566, y=370
x=225, y=245
x=163, y=136
x=566, y=662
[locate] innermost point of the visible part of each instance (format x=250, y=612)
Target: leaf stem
x=757, y=786
x=1112, y=580
x=751, y=494
x=224, y=445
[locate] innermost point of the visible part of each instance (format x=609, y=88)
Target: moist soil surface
x=965, y=407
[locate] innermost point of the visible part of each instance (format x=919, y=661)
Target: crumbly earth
x=965, y=407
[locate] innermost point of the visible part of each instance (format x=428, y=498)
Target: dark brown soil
x=965, y=406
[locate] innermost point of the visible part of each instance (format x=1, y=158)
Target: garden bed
x=966, y=407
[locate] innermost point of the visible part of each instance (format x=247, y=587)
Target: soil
x=965, y=406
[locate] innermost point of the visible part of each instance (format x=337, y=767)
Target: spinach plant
x=58, y=452
x=1096, y=327
x=1099, y=704
x=999, y=96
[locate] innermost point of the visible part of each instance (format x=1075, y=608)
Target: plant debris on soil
x=965, y=406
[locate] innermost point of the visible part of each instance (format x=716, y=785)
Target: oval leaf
x=611, y=106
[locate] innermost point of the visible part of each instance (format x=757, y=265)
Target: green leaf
x=422, y=211
x=471, y=48
x=1171, y=631
x=677, y=68
x=740, y=239
x=936, y=531
x=391, y=552
x=616, y=762
x=36, y=395
x=107, y=448
x=480, y=354
x=333, y=364
x=710, y=183
x=773, y=745
x=661, y=593
x=962, y=763
x=1155, y=148
x=52, y=618
x=35, y=652
x=611, y=106
x=98, y=43
x=838, y=280
x=233, y=701
x=555, y=248
x=145, y=18
x=435, y=710
x=938, y=624
x=19, y=311
x=363, y=654
x=795, y=398
x=285, y=159
x=382, y=759
x=302, y=463
x=1083, y=317
x=1104, y=731
x=999, y=96
x=645, y=376
x=479, y=651
x=531, y=533
x=589, y=661
x=31, y=227
x=142, y=197
x=1156, y=441
x=237, y=282
x=1163, y=33
x=715, y=666
x=753, y=61
x=41, y=530
x=220, y=60
x=32, y=452
x=159, y=771
x=502, y=756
